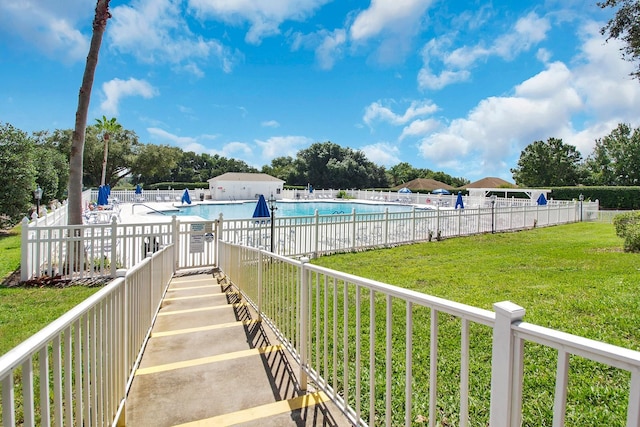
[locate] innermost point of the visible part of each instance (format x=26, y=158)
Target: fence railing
x=386, y=355
x=323, y=234
x=78, y=369
x=98, y=250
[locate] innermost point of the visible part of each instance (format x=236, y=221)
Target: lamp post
x=581, y=198
x=273, y=208
x=493, y=205
x=37, y=194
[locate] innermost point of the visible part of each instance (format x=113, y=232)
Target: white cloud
x=190, y=143
x=279, y=146
x=378, y=112
x=116, y=89
x=331, y=48
x=527, y=32
x=270, y=124
x=263, y=16
x=596, y=90
x=50, y=27
x=382, y=153
x=391, y=24
x=156, y=31
x=388, y=15
x=419, y=128
x=186, y=143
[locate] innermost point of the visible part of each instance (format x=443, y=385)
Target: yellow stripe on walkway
x=190, y=279
x=188, y=288
x=194, y=310
x=207, y=360
x=260, y=412
x=194, y=297
x=203, y=328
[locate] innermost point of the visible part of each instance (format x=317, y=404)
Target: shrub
x=628, y=227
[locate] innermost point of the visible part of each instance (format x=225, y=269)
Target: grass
x=24, y=311
x=574, y=278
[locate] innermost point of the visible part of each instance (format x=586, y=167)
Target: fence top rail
x=463, y=311
x=610, y=354
x=460, y=310
x=17, y=355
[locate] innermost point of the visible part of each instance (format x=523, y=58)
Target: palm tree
x=74, y=262
x=107, y=127
x=77, y=142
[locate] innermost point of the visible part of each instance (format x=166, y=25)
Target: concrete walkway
x=210, y=363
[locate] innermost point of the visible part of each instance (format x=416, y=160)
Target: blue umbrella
x=441, y=191
x=138, y=189
x=108, y=189
x=459, y=201
x=542, y=200
x=103, y=197
x=404, y=190
x=262, y=210
x=185, y=197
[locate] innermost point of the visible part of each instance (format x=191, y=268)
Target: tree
x=327, y=165
x=625, y=26
x=106, y=129
x=84, y=98
x=548, y=164
x=18, y=178
x=616, y=158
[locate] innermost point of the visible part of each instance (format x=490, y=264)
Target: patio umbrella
x=138, y=189
x=262, y=210
x=404, y=190
x=185, y=197
x=459, y=201
x=541, y=200
x=108, y=189
x=440, y=191
x=103, y=196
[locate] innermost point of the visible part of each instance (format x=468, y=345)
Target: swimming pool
x=287, y=209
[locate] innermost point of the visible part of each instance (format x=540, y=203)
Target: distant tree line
x=115, y=156
x=615, y=161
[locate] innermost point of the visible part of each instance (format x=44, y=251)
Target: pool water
x=287, y=209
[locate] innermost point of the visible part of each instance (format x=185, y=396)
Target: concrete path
x=210, y=363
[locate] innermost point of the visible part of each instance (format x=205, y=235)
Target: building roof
x=490, y=182
x=424, y=184
x=245, y=177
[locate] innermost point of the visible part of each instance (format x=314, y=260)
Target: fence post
x=175, y=224
x=114, y=241
x=386, y=227
x=260, y=279
x=24, y=252
x=502, y=363
x=353, y=229
x=304, y=323
x=218, y=238
x=316, y=218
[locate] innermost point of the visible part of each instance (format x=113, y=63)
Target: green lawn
x=573, y=278
x=23, y=311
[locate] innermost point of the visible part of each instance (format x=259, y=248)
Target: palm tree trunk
x=77, y=143
x=75, y=251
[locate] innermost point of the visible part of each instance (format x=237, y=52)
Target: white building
x=244, y=186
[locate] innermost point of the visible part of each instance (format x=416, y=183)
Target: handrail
x=133, y=205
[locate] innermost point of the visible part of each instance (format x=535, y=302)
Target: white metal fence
x=92, y=250
x=97, y=250
x=382, y=352
x=77, y=370
x=323, y=234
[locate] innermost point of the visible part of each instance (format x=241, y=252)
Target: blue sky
x=459, y=87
